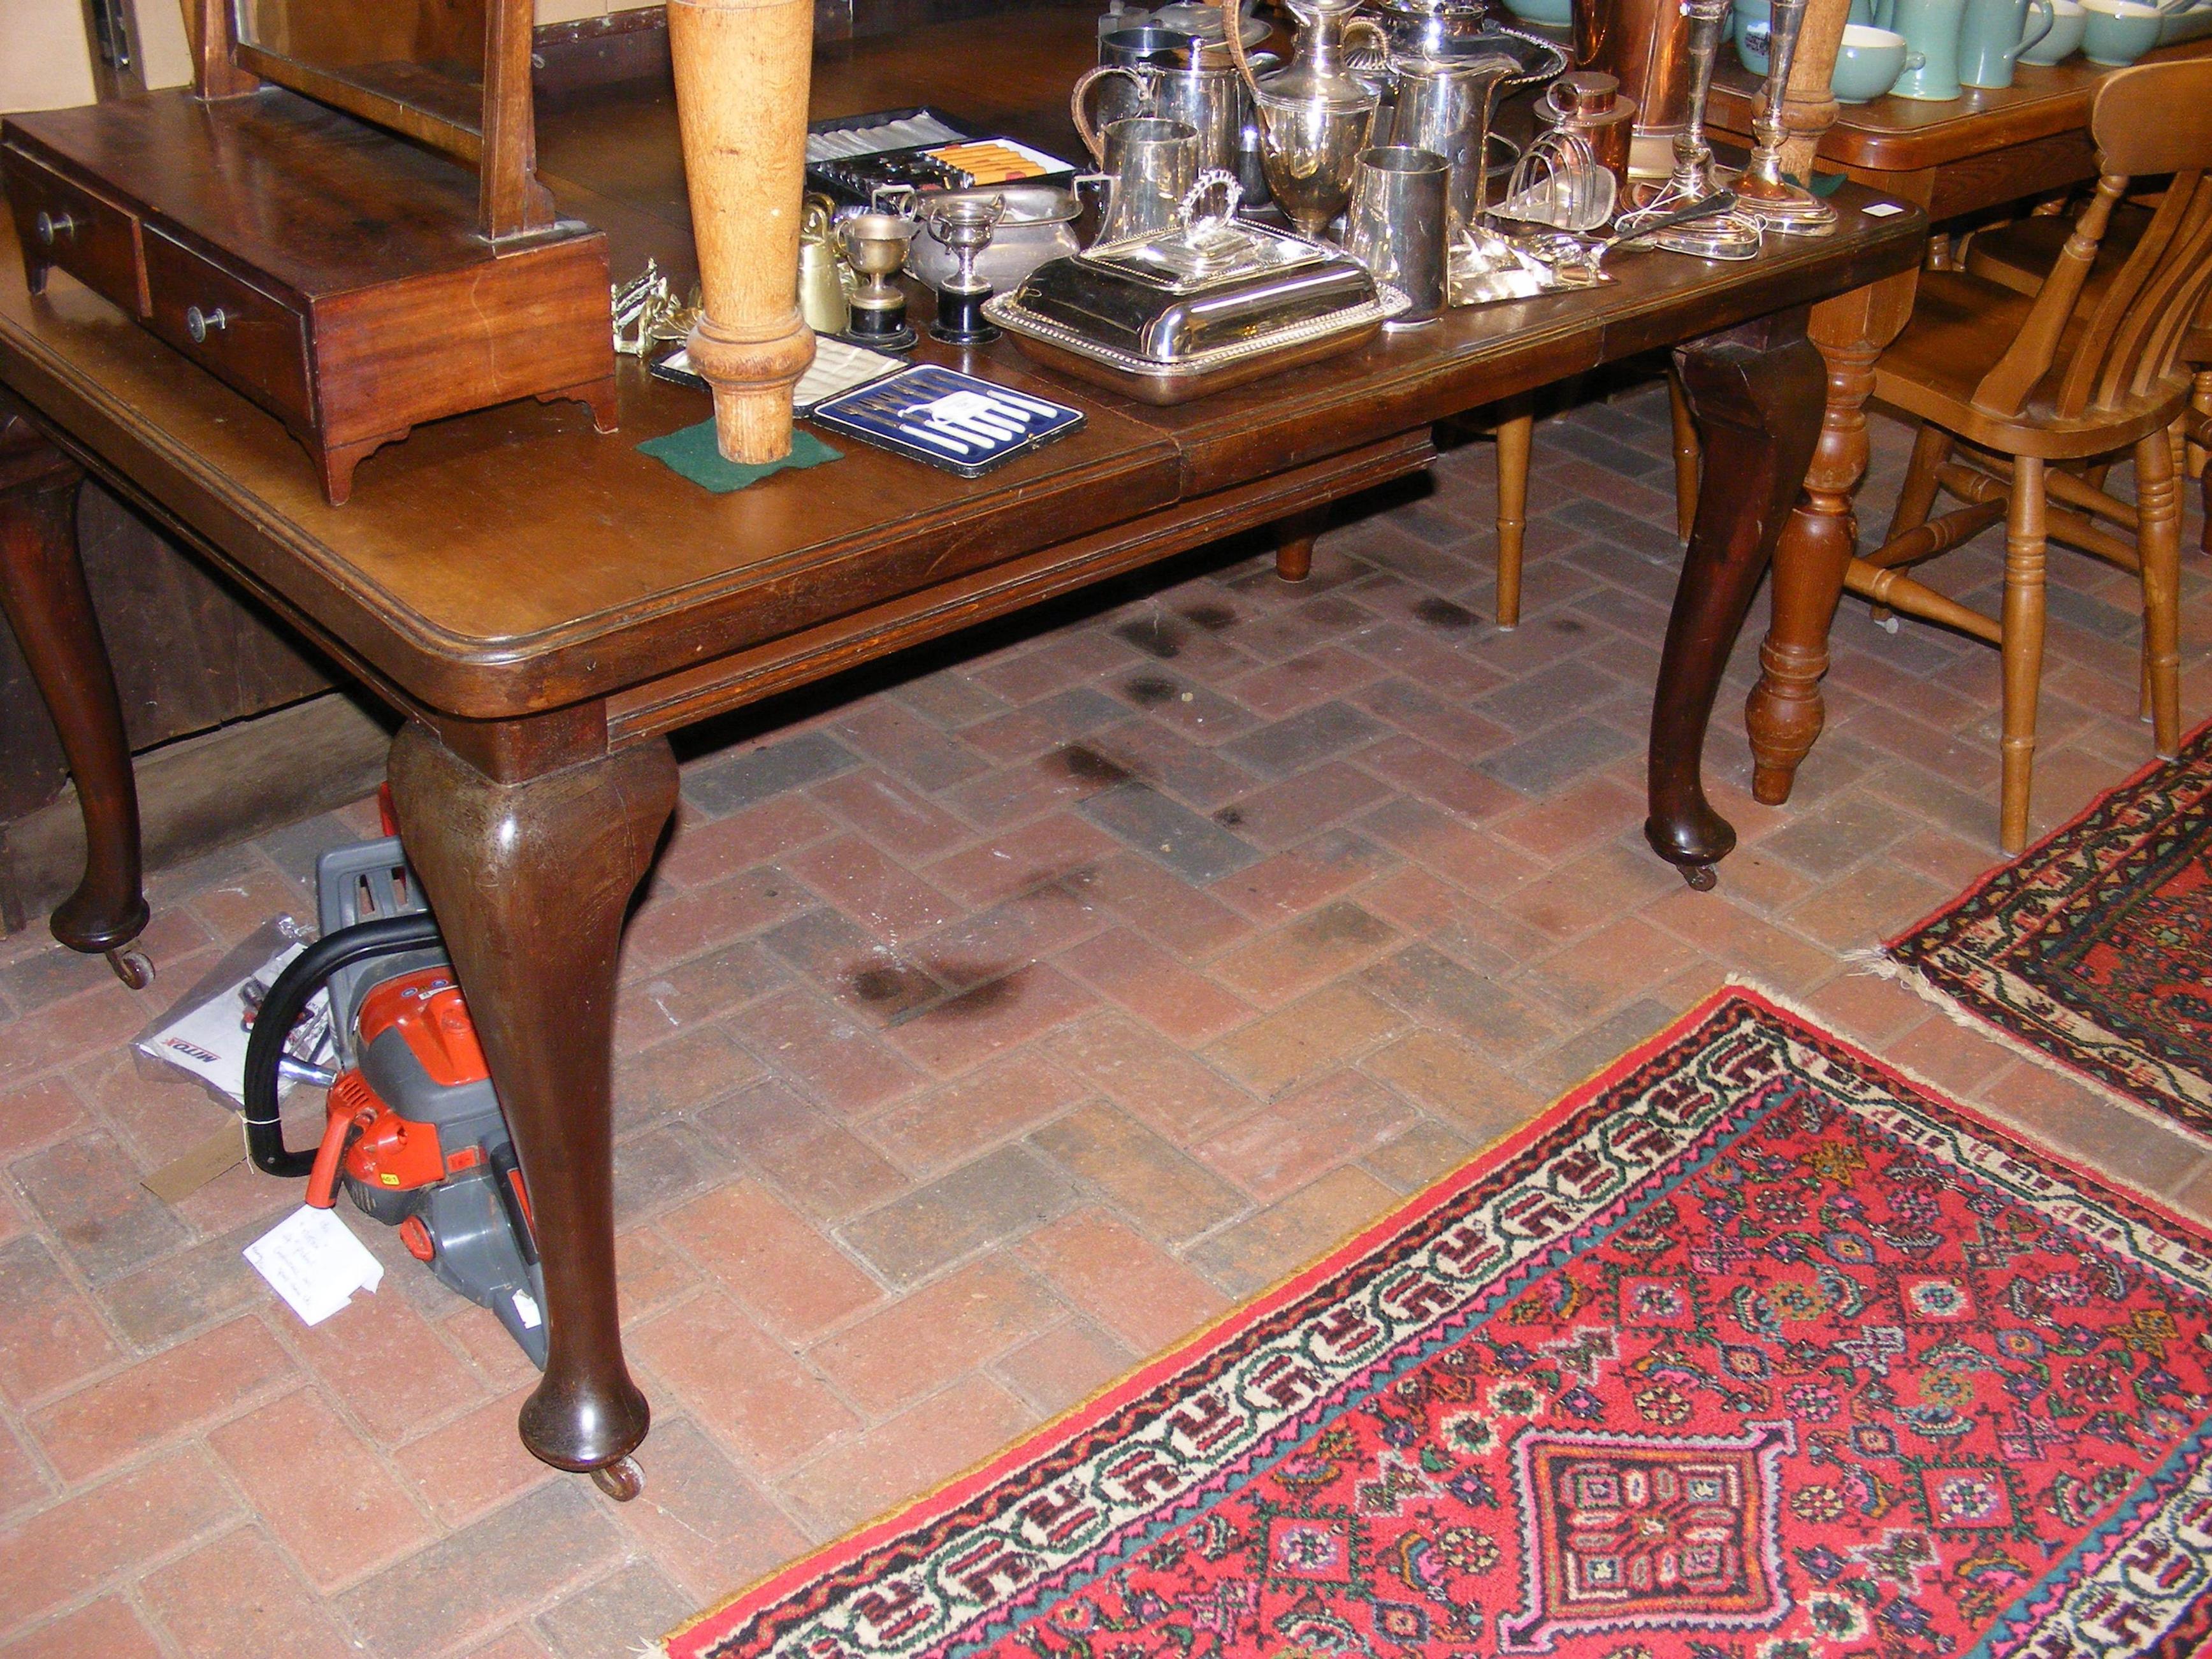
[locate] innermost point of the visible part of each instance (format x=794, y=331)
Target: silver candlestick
x=1730, y=235
x=1776, y=202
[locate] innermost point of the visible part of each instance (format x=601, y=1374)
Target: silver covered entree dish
x=1178, y=313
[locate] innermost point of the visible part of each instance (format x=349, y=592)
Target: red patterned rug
x=2093, y=948
x=1748, y=1349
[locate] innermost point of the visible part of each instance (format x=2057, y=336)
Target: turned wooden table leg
x=529, y=881
x=1755, y=392
x=1783, y=712
x=1294, y=543
x=42, y=589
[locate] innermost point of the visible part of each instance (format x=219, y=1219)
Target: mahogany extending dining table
x=545, y=605
x=1954, y=159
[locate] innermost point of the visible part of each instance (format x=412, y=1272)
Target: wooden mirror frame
x=501, y=143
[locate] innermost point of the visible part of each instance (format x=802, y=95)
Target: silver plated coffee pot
x=1315, y=114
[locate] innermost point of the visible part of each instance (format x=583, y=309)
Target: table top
x=1903, y=134
x=512, y=561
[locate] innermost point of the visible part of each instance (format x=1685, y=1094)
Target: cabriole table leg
x=1755, y=392
x=43, y=590
x=529, y=881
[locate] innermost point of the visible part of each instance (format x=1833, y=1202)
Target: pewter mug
x=1153, y=163
x=1444, y=108
x=1396, y=225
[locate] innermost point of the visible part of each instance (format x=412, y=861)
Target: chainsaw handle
x=280, y=1011
x=338, y=1134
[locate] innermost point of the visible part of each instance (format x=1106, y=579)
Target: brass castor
x=1702, y=877
x=132, y=966
x=621, y=1479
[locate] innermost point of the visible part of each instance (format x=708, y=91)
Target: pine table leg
x=1783, y=714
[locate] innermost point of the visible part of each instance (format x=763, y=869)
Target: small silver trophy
x=964, y=224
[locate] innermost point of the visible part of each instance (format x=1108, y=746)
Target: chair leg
x=1514, y=436
x=2200, y=401
x=2158, y=500
x=1686, y=457
x=2023, y=645
x=2200, y=406
x=1931, y=448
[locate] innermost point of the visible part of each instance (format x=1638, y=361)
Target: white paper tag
x=1881, y=209
x=210, y=1041
x=525, y=1310
x=312, y=1260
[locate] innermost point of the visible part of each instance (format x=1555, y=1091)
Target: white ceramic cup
x=2068, y=19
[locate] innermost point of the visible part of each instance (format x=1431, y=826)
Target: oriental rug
x=2093, y=948
x=1748, y=1349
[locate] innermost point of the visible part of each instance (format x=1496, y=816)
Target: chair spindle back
x=2152, y=119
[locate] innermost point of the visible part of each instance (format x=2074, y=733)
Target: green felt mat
x=691, y=452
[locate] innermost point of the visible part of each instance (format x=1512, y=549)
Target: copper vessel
x=1644, y=45
x=1589, y=101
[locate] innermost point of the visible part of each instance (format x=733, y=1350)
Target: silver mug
x=1121, y=93
x=1397, y=224
x=1153, y=163
x=1211, y=99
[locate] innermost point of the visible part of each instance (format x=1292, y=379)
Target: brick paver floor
x=988, y=1026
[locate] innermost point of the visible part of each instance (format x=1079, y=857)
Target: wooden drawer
x=61, y=223
x=228, y=326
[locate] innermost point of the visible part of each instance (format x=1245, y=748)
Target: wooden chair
x=2019, y=256
x=2076, y=375
x=1515, y=431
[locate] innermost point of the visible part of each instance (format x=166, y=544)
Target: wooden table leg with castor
x=1755, y=392
x=43, y=591
x=530, y=875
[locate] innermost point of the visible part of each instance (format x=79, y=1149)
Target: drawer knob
x=200, y=324
x=53, y=227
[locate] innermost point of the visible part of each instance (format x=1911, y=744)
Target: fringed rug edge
x=826, y=1557
x=956, y=1489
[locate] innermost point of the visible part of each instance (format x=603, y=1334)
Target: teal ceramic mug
x=1868, y=62
x=2062, y=40
x=2117, y=31
x=1991, y=37
x=1930, y=27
